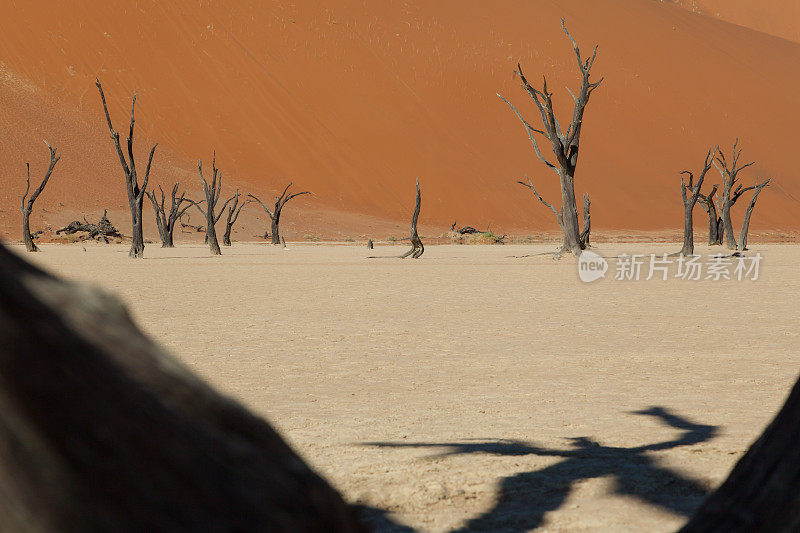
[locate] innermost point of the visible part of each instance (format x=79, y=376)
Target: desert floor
x=473, y=389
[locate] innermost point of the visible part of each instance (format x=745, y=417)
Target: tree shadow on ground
x=525, y=498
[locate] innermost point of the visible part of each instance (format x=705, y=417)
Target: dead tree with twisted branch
x=27, y=206
x=233, y=214
x=749, y=212
x=135, y=192
x=165, y=221
x=212, y=193
x=274, y=214
x=730, y=175
x=564, y=144
x=715, y=227
x=689, y=194
x=417, y=248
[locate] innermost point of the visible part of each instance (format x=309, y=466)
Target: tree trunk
x=747, y=214
x=26, y=232
x=102, y=430
x=137, y=240
x=211, y=234
x=276, y=238
x=727, y=224
x=688, y=231
x=713, y=226
x=569, y=215
x=226, y=237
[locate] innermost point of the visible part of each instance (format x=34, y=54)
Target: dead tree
x=587, y=222
x=104, y=431
x=275, y=213
x=715, y=227
x=99, y=232
x=746, y=222
x=27, y=206
x=689, y=201
x=165, y=221
x=564, y=144
x=417, y=249
x=233, y=214
x=212, y=197
x=730, y=172
x=135, y=192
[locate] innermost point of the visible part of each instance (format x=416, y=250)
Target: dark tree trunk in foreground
x=274, y=214
x=564, y=144
x=27, y=206
x=748, y=213
x=104, y=431
x=212, y=193
x=730, y=172
x=689, y=201
x=762, y=493
x=715, y=227
x=135, y=192
x=165, y=221
x=417, y=249
x=233, y=214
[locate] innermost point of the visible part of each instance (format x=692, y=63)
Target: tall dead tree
x=587, y=222
x=165, y=221
x=133, y=440
x=689, y=201
x=212, y=193
x=715, y=227
x=27, y=206
x=564, y=144
x=417, y=248
x=730, y=175
x=233, y=214
x=274, y=214
x=748, y=213
x=135, y=192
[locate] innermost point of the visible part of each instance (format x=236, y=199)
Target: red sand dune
x=354, y=99
x=776, y=17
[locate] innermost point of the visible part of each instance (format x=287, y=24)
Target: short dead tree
x=564, y=144
x=715, y=227
x=134, y=190
x=233, y=214
x=417, y=248
x=689, y=194
x=748, y=213
x=99, y=232
x=730, y=175
x=212, y=193
x=27, y=206
x=274, y=214
x=165, y=220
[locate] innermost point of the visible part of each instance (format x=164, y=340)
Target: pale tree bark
x=689, y=201
x=715, y=227
x=27, y=206
x=730, y=175
x=417, y=248
x=102, y=430
x=564, y=145
x=212, y=193
x=136, y=193
x=233, y=214
x=748, y=213
x=274, y=214
x=165, y=221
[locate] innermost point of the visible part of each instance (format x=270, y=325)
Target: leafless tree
x=274, y=214
x=27, y=206
x=715, y=227
x=165, y=221
x=730, y=175
x=233, y=214
x=689, y=201
x=212, y=193
x=102, y=430
x=136, y=192
x=748, y=213
x=564, y=144
x=417, y=249
x=587, y=222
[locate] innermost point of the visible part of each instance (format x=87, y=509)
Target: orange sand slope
x=776, y=17
x=354, y=99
